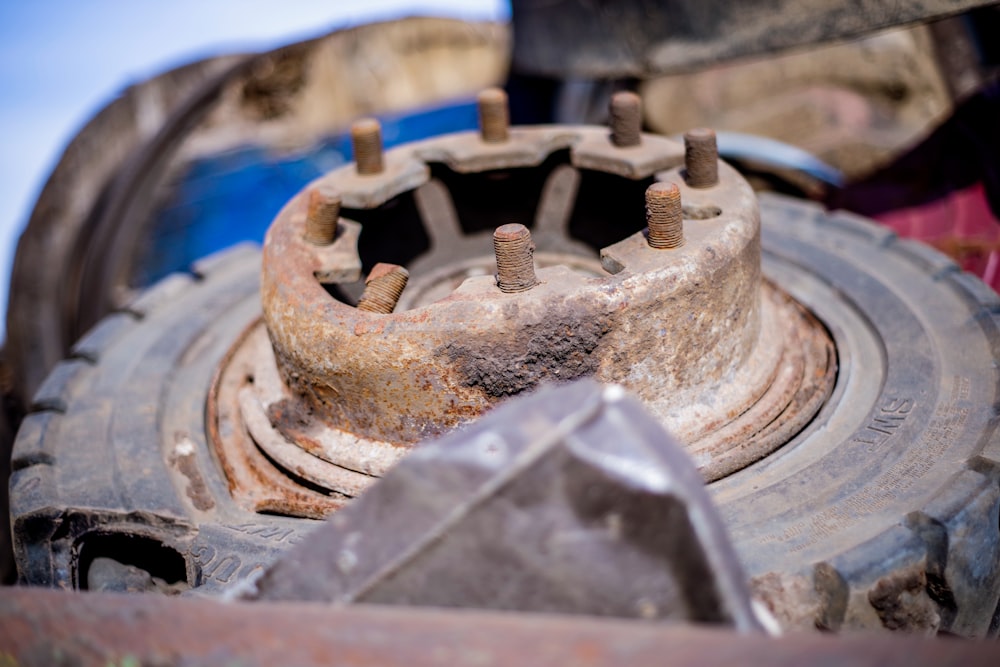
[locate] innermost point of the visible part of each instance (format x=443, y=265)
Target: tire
x=886, y=507
x=92, y=473
x=883, y=513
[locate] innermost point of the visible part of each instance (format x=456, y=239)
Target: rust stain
x=559, y=349
x=254, y=481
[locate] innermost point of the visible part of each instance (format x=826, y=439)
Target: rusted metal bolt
x=626, y=119
x=494, y=115
x=515, y=258
x=321, y=217
x=366, y=139
x=383, y=286
x=664, y=216
x=701, y=158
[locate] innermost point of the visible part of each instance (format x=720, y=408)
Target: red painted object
x=944, y=191
x=960, y=225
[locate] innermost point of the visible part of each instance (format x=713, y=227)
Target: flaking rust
x=558, y=349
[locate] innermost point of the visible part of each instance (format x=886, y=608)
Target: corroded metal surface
x=344, y=465
x=41, y=627
x=253, y=481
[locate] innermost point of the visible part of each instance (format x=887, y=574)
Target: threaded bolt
x=321, y=218
x=366, y=139
x=626, y=119
x=701, y=158
x=494, y=115
x=515, y=258
x=382, y=288
x=664, y=216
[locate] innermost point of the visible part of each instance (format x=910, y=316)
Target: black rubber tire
x=885, y=512
x=888, y=506
x=92, y=473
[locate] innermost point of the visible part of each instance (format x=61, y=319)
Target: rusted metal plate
x=42, y=627
x=253, y=482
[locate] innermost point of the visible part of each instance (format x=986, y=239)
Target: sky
x=61, y=61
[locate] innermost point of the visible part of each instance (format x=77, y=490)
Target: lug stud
x=701, y=158
x=515, y=258
x=366, y=139
x=664, y=216
x=494, y=116
x=626, y=119
x=321, y=218
x=383, y=286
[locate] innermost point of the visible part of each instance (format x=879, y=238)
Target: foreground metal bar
x=44, y=627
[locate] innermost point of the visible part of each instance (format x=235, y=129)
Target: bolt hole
x=701, y=212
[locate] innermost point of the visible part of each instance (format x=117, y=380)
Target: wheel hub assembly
x=676, y=311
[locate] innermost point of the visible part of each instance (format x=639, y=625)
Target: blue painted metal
x=234, y=196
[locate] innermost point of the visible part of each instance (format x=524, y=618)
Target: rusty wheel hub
x=319, y=399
